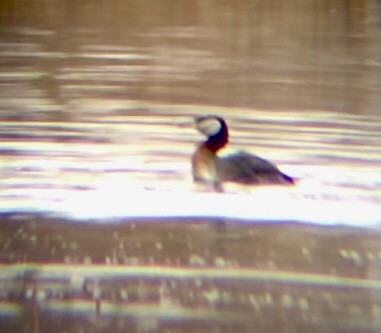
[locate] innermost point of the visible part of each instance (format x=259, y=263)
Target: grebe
x=240, y=167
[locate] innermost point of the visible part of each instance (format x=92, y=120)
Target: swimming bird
x=241, y=167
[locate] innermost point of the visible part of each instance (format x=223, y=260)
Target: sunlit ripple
x=265, y=205
x=129, y=164
x=120, y=196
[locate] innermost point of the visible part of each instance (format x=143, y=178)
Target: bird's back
x=246, y=168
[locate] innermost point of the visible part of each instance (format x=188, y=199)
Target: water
x=102, y=228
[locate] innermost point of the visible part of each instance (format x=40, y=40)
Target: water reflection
x=105, y=154
x=246, y=54
x=96, y=105
x=98, y=101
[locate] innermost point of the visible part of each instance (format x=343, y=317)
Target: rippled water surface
x=102, y=228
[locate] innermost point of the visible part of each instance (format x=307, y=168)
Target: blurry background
x=310, y=55
x=96, y=107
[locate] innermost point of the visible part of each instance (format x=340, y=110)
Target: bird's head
x=215, y=129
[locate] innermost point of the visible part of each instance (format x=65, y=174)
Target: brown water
x=102, y=228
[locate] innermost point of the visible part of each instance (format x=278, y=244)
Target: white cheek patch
x=209, y=126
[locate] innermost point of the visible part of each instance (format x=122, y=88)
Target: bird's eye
x=208, y=126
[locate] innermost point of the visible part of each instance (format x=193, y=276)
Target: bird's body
x=240, y=167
